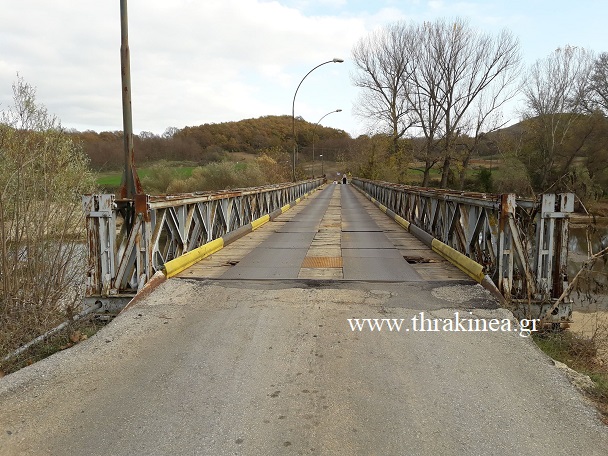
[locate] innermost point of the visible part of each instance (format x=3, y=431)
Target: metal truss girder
x=522, y=243
x=121, y=262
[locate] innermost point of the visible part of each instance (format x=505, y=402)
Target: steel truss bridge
x=124, y=251
x=521, y=243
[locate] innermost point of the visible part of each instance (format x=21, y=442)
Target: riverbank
x=592, y=325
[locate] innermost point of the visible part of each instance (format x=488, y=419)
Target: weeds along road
x=245, y=367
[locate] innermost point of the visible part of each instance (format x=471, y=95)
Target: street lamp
x=293, y=116
x=321, y=155
x=313, y=139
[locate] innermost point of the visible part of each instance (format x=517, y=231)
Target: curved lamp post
x=293, y=116
x=313, y=139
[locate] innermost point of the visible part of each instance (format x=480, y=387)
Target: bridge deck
x=336, y=234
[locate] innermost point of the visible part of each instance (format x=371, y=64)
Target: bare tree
x=486, y=116
x=170, y=132
x=425, y=97
x=429, y=76
x=599, y=83
x=383, y=66
x=556, y=92
x=469, y=63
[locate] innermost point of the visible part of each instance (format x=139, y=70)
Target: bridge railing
x=129, y=240
x=522, y=243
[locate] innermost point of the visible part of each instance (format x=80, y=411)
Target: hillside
x=210, y=142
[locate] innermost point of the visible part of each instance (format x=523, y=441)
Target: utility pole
x=130, y=187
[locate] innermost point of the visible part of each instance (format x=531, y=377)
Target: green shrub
x=159, y=177
x=485, y=180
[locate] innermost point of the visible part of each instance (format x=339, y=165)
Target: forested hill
x=205, y=143
x=253, y=135
x=578, y=163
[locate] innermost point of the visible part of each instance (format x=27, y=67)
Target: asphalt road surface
x=243, y=366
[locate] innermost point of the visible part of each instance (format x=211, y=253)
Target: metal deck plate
x=261, y=273
x=298, y=229
x=351, y=226
x=386, y=269
x=275, y=258
x=288, y=241
x=365, y=240
x=371, y=253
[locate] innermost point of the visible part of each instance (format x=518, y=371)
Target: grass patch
x=110, y=180
x=571, y=349
x=71, y=335
x=580, y=353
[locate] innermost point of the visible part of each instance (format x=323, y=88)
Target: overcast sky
x=212, y=61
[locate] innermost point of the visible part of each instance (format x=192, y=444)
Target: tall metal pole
x=293, y=116
x=313, y=139
x=130, y=184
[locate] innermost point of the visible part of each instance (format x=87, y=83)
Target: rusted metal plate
x=322, y=262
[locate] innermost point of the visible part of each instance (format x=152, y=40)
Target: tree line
x=438, y=90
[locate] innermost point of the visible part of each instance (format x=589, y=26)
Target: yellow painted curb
x=178, y=264
x=285, y=208
x=461, y=261
x=401, y=221
x=382, y=208
x=259, y=222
